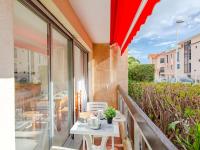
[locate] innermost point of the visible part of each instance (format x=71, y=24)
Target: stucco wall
x=7, y=103
x=195, y=58
x=180, y=71
x=168, y=66
x=110, y=69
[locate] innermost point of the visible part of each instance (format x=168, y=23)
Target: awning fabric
x=127, y=16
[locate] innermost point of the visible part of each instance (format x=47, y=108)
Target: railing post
x=136, y=137
x=143, y=146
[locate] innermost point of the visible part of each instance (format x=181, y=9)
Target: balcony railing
x=142, y=132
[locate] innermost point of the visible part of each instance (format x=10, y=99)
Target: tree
x=132, y=61
x=140, y=72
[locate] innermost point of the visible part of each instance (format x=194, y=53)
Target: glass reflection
x=31, y=80
x=60, y=85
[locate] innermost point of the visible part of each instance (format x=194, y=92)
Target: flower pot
x=109, y=120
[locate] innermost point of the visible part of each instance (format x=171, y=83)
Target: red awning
x=127, y=16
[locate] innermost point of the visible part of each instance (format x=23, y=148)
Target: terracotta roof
x=153, y=56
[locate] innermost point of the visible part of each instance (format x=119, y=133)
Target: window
x=162, y=60
x=171, y=67
x=178, y=66
x=162, y=69
x=187, y=56
x=189, y=67
x=167, y=58
x=178, y=57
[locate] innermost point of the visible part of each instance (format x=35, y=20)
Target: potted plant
x=110, y=113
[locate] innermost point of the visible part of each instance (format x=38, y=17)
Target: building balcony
x=137, y=132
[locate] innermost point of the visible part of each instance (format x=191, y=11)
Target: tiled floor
x=77, y=142
x=118, y=145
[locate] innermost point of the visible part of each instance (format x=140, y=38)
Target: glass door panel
x=80, y=74
x=31, y=80
x=61, y=84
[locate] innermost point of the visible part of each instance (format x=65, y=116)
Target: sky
x=159, y=32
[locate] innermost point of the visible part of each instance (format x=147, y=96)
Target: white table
x=106, y=130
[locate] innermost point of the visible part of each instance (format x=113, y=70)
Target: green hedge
x=174, y=108
x=141, y=72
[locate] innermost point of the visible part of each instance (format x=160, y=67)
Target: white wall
x=7, y=104
x=180, y=71
x=195, y=59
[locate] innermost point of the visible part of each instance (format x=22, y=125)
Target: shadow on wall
x=110, y=69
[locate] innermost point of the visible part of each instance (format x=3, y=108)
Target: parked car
x=161, y=80
x=181, y=80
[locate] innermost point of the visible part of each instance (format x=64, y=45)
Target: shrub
x=141, y=72
x=174, y=108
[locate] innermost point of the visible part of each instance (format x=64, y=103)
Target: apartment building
x=164, y=64
x=188, y=61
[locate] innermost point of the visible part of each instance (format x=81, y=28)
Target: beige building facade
x=188, y=61
x=164, y=63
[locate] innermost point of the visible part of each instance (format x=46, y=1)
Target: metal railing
x=142, y=132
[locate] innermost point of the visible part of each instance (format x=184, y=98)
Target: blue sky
x=159, y=31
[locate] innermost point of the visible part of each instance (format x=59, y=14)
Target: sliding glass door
x=31, y=80
x=43, y=82
x=61, y=77
x=47, y=68
x=80, y=75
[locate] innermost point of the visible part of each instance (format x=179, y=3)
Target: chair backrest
x=60, y=148
x=95, y=106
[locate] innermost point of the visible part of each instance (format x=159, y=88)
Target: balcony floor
x=118, y=145
x=77, y=142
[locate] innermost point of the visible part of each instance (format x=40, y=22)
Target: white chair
x=91, y=146
x=95, y=106
x=60, y=148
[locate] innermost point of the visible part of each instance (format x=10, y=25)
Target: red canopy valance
x=127, y=16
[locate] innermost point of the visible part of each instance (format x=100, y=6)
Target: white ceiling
x=95, y=17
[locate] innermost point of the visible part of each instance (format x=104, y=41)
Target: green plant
x=192, y=140
x=189, y=112
x=196, y=143
x=139, y=72
x=173, y=107
x=172, y=126
x=110, y=113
